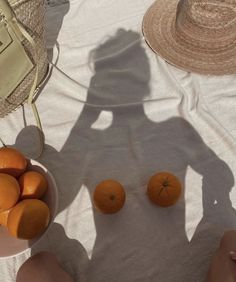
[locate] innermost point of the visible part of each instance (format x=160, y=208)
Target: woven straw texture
x=194, y=35
x=31, y=14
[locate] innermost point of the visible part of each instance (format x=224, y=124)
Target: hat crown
x=194, y=35
x=207, y=24
x=212, y=13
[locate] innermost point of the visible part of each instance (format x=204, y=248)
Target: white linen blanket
x=141, y=116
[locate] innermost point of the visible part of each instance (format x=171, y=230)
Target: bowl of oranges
x=28, y=202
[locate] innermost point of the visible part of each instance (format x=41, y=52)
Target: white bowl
x=11, y=246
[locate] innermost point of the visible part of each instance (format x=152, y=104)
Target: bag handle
x=30, y=101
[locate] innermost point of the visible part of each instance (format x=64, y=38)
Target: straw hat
x=194, y=35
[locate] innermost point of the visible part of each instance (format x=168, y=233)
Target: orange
x=12, y=161
x=164, y=189
x=9, y=191
x=109, y=196
x=4, y=217
x=33, y=185
x=28, y=219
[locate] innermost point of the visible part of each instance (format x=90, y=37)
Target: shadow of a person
x=112, y=140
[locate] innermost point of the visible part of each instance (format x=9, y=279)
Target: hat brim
x=160, y=34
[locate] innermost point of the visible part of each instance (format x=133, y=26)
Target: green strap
x=32, y=90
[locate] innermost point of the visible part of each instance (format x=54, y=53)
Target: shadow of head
x=121, y=70
x=30, y=141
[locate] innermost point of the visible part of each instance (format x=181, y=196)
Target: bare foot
x=223, y=265
x=42, y=267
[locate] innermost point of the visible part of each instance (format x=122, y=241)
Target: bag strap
x=30, y=101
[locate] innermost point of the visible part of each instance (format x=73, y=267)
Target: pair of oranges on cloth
x=22, y=210
x=163, y=189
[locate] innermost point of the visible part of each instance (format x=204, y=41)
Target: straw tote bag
x=23, y=55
